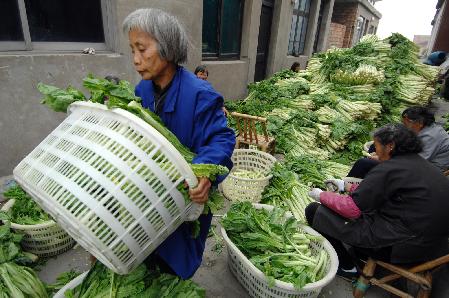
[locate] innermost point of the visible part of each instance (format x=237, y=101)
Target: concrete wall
x=24, y=122
x=439, y=40
x=280, y=32
x=326, y=23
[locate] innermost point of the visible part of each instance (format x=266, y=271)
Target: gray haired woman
x=191, y=109
x=398, y=213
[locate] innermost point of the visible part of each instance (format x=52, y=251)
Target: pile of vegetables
x=344, y=95
x=25, y=211
x=122, y=96
x=102, y=282
x=275, y=244
x=16, y=279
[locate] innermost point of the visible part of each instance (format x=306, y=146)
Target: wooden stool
x=421, y=274
x=246, y=125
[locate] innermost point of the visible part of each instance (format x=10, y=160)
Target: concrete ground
x=214, y=274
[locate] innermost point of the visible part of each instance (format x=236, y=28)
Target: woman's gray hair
x=164, y=28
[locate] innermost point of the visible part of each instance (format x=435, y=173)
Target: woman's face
x=147, y=61
x=383, y=152
x=413, y=125
x=202, y=75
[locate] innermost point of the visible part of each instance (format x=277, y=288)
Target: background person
x=398, y=213
x=201, y=72
x=191, y=109
x=295, y=67
x=434, y=139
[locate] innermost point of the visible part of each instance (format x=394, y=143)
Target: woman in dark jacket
x=399, y=211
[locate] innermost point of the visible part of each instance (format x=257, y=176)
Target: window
x=360, y=28
x=222, y=26
x=52, y=24
x=298, y=29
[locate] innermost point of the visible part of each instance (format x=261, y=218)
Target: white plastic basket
x=110, y=180
x=247, y=189
x=72, y=284
x=46, y=239
x=367, y=145
x=257, y=285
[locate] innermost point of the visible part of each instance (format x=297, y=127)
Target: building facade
x=439, y=38
x=240, y=41
x=351, y=20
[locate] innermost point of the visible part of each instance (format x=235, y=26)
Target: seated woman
x=434, y=139
x=397, y=214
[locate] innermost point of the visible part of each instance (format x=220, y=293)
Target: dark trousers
x=362, y=167
x=348, y=259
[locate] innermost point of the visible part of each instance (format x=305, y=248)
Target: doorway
x=263, y=43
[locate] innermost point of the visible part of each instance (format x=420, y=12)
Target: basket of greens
x=249, y=175
x=272, y=255
x=42, y=235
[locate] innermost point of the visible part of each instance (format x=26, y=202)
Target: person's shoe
x=348, y=274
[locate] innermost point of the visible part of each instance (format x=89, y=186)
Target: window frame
x=225, y=56
x=29, y=46
x=305, y=19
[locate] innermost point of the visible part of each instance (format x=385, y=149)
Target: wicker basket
x=46, y=239
x=111, y=181
x=257, y=285
x=247, y=189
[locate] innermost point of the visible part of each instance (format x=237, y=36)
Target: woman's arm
x=341, y=204
x=216, y=139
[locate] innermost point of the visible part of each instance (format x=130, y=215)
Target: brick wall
x=336, y=35
x=345, y=14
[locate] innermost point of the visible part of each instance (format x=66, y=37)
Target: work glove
x=335, y=185
x=315, y=194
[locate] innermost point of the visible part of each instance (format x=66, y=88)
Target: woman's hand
x=373, y=156
x=315, y=194
x=335, y=185
x=200, y=194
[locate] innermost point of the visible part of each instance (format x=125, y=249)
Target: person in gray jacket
x=434, y=138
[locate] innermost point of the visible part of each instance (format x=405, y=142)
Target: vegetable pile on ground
x=275, y=244
x=25, y=211
x=122, y=96
x=331, y=108
x=102, y=282
x=16, y=280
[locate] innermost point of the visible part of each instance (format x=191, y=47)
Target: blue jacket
x=193, y=112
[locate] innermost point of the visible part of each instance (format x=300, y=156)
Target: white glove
x=335, y=185
x=315, y=194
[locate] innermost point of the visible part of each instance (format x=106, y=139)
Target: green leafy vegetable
x=275, y=244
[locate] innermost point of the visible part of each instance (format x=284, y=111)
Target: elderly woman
x=190, y=108
x=399, y=211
